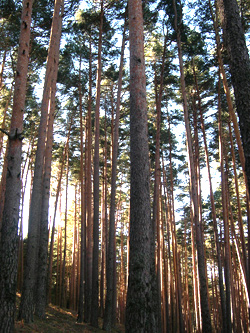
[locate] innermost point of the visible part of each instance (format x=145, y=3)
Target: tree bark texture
x=141, y=311
x=30, y=272
x=239, y=64
x=9, y=240
x=95, y=277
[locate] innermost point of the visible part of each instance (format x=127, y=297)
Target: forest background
x=75, y=193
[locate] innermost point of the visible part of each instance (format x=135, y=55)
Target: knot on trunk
x=13, y=136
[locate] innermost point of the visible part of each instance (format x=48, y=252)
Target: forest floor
x=60, y=320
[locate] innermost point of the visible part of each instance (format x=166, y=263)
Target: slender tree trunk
x=226, y=228
x=175, y=250
x=83, y=211
x=9, y=230
x=206, y=318
x=142, y=311
x=73, y=276
x=156, y=203
x=63, y=299
x=197, y=309
x=103, y=241
x=214, y=217
x=89, y=220
x=109, y=310
x=95, y=279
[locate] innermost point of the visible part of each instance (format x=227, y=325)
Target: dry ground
x=60, y=320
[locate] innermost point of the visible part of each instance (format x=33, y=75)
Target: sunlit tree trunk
x=41, y=291
x=10, y=217
x=141, y=311
x=30, y=272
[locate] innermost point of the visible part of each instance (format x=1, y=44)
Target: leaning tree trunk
x=141, y=312
x=10, y=218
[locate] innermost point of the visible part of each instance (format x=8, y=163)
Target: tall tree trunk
x=206, y=318
x=109, y=310
x=232, y=117
x=30, y=273
x=214, y=217
x=10, y=218
x=141, y=312
x=157, y=172
x=239, y=64
x=83, y=210
x=95, y=267
x=89, y=220
x=226, y=227
x=41, y=292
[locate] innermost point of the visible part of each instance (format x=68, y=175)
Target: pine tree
x=141, y=311
x=9, y=233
